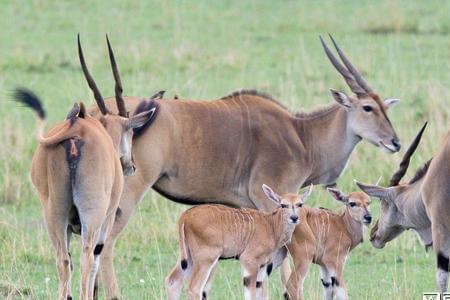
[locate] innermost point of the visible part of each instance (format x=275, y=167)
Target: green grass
x=205, y=50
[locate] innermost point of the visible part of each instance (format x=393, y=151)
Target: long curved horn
x=118, y=87
x=395, y=179
x=354, y=86
x=356, y=74
x=97, y=95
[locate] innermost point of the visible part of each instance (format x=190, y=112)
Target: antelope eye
x=284, y=206
x=299, y=205
x=367, y=108
x=352, y=204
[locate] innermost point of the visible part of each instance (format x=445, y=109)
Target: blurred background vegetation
x=204, y=50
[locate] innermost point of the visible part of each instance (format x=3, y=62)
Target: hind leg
x=175, y=280
x=98, y=252
x=56, y=219
x=202, y=267
x=91, y=224
x=208, y=285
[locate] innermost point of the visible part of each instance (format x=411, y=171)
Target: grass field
x=205, y=50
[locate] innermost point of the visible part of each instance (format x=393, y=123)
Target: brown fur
x=94, y=191
x=253, y=92
x=326, y=238
x=208, y=233
x=221, y=151
x=77, y=172
x=421, y=205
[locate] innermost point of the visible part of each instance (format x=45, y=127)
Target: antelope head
x=391, y=222
x=119, y=126
x=357, y=204
x=367, y=116
x=289, y=204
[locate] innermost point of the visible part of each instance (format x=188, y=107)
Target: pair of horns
x=118, y=86
x=395, y=179
x=352, y=76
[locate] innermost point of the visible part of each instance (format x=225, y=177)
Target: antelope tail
x=184, y=249
x=28, y=98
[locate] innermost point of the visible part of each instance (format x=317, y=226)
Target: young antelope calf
x=325, y=238
x=208, y=233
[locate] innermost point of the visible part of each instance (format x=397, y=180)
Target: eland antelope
x=78, y=171
x=421, y=205
x=222, y=151
x=326, y=238
x=209, y=233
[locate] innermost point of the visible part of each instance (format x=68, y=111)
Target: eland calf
x=326, y=238
x=209, y=233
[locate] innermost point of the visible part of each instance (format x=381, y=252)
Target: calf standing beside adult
x=222, y=151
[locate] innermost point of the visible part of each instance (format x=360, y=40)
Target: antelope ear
x=74, y=111
x=341, y=98
x=390, y=102
x=375, y=191
x=140, y=119
x=338, y=195
x=307, y=193
x=82, y=112
x=271, y=194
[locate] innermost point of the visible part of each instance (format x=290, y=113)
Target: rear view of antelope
x=77, y=172
x=246, y=139
x=208, y=233
x=422, y=204
x=326, y=238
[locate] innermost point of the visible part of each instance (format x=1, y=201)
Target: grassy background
x=205, y=50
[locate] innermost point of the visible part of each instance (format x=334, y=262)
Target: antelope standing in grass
x=326, y=238
x=208, y=233
x=77, y=172
x=422, y=204
x=222, y=151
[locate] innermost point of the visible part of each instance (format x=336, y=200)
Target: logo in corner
x=432, y=296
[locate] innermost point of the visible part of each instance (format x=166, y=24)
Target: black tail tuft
x=29, y=99
x=145, y=105
x=184, y=264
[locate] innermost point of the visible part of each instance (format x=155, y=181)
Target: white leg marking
x=442, y=279
x=340, y=293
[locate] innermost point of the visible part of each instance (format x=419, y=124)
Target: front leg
x=335, y=272
x=284, y=183
x=250, y=274
x=250, y=269
x=262, y=291
x=441, y=245
x=325, y=277
x=339, y=287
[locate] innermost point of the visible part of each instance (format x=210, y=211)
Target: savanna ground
x=205, y=50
